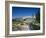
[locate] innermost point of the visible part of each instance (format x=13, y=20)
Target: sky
x=24, y=11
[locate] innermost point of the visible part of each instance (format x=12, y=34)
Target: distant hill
x=26, y=19
x=23, y=17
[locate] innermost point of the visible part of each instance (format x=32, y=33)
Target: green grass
x=35, y=25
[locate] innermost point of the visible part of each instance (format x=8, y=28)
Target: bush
x=34, y=26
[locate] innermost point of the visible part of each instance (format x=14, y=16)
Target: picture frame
x=8, y=18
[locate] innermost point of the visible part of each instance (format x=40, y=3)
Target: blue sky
x=24, y=11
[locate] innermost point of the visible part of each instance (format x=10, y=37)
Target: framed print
x=24, y=18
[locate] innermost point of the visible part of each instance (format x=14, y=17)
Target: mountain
x=27, y=17
x=24, y=18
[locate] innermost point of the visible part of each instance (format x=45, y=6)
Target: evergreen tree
x=38, y=16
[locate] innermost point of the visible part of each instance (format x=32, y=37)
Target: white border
x=24, y=32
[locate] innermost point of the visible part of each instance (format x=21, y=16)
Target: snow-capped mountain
x=27, y=17
x=24, y=17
